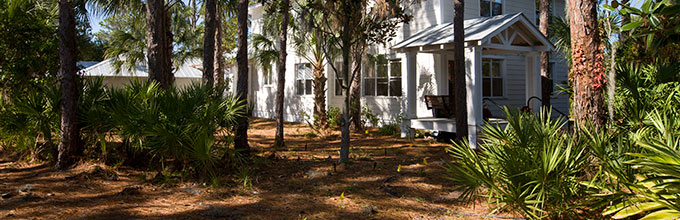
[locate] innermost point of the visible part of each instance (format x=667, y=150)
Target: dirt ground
x=389, y=178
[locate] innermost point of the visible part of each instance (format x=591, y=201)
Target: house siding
x=431, y=73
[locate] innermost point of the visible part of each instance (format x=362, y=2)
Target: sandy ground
x=389, y=178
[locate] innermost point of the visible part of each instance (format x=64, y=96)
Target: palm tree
x=459, y=99
x=241, y=135
x=545, y=55
x=587, y=70
x=70, y=132
x=309, y=47
x=209, y=41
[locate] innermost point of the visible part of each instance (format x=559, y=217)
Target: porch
x=488, y=36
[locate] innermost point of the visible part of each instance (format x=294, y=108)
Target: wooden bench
x=440, y=106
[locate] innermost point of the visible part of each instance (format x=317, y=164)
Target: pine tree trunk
x=159, y=43
x=345, y=122
x=69, y=145
x=587, y=70
x=241, y=135
x=320, y=95
x=546, y=87
x=459, y=71
x=209, y=42
x=219, y=53
x=281, y=77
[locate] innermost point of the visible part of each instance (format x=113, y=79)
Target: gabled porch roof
x=504, y=32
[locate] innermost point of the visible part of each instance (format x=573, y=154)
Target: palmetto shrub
x=531, y=166
x=30, y=120
x=639, y=158
x=177, y=124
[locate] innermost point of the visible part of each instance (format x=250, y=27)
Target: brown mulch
x=389, y=178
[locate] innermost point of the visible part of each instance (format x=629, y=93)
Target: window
x=303, y=79
x=488, y=8
x=383, y=77
x=492, y=77
x=339, y=80
x=267, y=74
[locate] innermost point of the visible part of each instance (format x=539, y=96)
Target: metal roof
x=476, y=29
x=191, y=68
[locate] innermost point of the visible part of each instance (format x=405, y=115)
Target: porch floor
x=444, y=124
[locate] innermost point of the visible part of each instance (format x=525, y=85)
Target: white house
x=186, y=74
x=502, y=50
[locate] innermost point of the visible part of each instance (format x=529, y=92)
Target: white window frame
x=390, y=77
x=503, y=76
x=502, y=2
x=298, y=79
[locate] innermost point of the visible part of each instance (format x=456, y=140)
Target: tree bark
x=159, y=43
x=546, y=87
x=459, y=70
x=209, y=42
x=219, y=53
x=355, y=98
x=346, y=38
x=587, y=70
x=69, y=145
x=241, y=135
x=281, y=75
x=320, y=95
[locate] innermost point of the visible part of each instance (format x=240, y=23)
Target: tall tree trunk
x=219, y=53
x=546, y=87
x=355, y=98
x=320, y=95
x=69, y=145
x=241, y=136
x=346, y=38
x=459, y=70
x=159, y=43
x=209, y=42
x=281, y=75
x=587, y=68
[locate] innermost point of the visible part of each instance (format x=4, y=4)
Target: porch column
x=473, y=81
x=533, y=79
x=408, y=88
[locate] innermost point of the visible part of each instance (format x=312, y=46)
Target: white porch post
x=473, y=81
x=533, y=79
x=408, y=87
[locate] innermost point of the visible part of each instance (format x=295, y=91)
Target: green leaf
x=609, y=7
x=637, y=209
x=631, y=25
x=662, y=215
x=646, y=6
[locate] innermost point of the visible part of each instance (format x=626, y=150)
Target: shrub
x=531, y=166
x=174, y=124
x=391, y=129
x=368, y=117
x=334, y=116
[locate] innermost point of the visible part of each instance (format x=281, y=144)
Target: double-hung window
x=383, y=77
x=488, y=8
x=267, y=75
x=492, y=77
x=303, y=79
